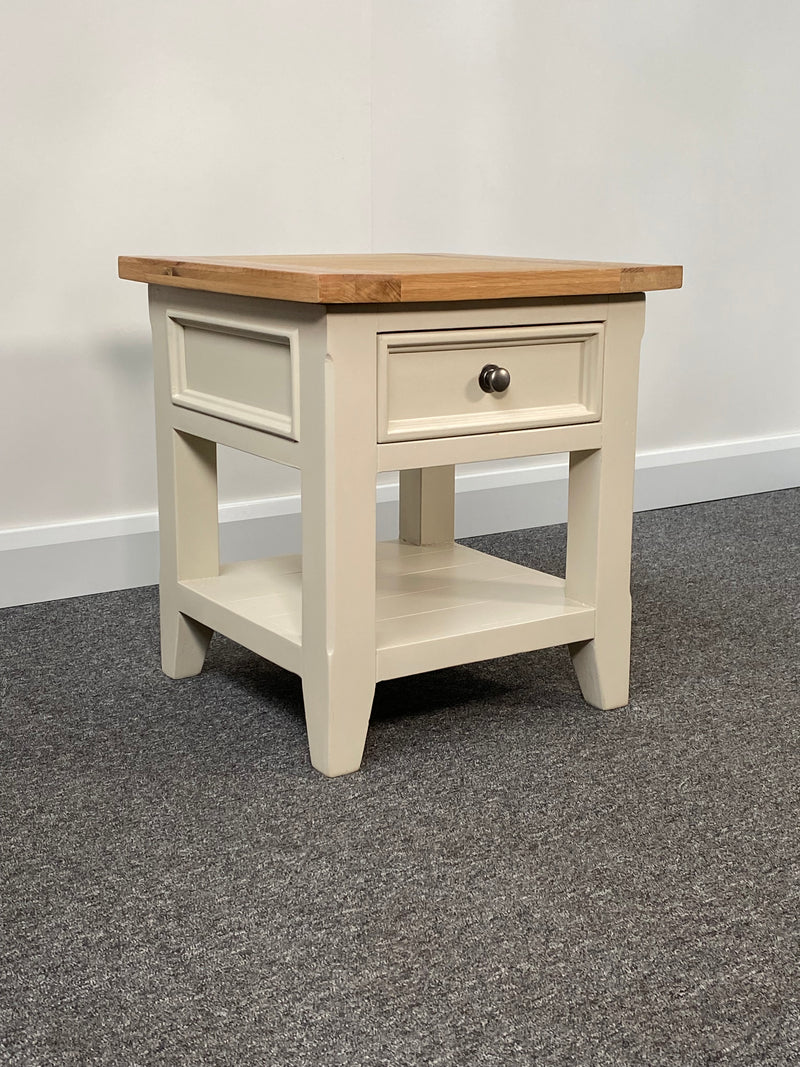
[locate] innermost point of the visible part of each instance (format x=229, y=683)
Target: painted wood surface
x=434, y=606
x=428, y=505
x=429, y=381
x=236, y=372
x=188, y=515
x=600, y=518
x=439, y=451
x=338, y=473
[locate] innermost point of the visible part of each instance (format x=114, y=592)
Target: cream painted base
x=344, y=614
x=435, y=606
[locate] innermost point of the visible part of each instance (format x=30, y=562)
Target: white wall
x=646, y=131
x=147, y=126
x=565, y=128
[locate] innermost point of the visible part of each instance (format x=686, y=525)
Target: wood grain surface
x=397, y=278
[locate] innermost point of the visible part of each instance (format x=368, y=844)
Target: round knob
x=494, y=379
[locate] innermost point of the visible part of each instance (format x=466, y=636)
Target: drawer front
x=428, y=382
x=235, y=371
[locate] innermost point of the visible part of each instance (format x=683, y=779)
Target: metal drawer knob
x=494, y=379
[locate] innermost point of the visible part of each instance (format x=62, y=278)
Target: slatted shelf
x=437, y=606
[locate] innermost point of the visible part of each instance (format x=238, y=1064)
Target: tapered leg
x=427, y=505
x=184, y=641
x=601, y=514
x=338, y=497
x=598, y=568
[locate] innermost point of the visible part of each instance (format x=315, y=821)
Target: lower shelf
x=437, y=606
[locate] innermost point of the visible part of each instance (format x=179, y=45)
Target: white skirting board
x=51, y=562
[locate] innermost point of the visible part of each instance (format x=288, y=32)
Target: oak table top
x=382, y=278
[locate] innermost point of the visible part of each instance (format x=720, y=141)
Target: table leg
x=338, y=498
x=427, y=505
x=600, y=516
x=189, y=542
x=187, y=514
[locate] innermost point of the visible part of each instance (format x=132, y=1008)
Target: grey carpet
x=514, y=877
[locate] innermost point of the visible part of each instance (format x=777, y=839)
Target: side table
x=346, y=366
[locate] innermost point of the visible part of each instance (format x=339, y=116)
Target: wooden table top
x=397, y=278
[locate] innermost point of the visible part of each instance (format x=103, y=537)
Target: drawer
x=429, y=382
x=235, y=371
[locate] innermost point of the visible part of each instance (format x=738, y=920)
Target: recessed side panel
x=235, y=372
x=430, y=381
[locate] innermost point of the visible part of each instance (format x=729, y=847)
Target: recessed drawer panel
x=235, y=372
x=429, y=383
